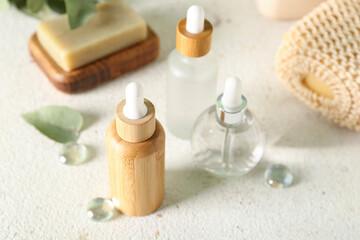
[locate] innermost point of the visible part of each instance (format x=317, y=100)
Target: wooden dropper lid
x=193, y=44
x=135, y=130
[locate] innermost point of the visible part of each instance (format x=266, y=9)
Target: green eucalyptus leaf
x=4, y=4
x=57, y=6
x=79, y=11
x=59, y=123
x=20, y=4
x=34, y=5
x=30, y=13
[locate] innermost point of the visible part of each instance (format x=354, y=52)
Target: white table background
x=43, y=199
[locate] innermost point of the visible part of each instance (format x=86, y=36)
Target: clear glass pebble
x=278, y=176
x=100, y=209
x=73, y=154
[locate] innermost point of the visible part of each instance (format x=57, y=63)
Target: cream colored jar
x=286, y=9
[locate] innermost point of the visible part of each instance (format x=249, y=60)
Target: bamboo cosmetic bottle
x=135, y=147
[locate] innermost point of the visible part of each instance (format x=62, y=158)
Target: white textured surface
x=42, y=199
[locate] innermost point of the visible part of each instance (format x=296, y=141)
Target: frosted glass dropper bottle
x=227, y=139
x=192, y=73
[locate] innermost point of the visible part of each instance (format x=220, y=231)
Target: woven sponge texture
x=326, y=44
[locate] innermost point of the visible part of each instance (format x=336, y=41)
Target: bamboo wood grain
x=100, y=71
x=193, y=45
x=136, y=171
x=135, y=130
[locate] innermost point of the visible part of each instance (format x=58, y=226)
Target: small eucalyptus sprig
x=78, y=11
x=60, y=123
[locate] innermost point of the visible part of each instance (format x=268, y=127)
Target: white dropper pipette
x=135, y=107
x=195, y=19
x=232, y=98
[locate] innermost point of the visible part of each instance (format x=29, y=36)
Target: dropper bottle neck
x=231, y=105
x=233, y=118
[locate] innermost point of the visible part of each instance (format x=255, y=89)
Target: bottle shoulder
x=202, y=69
x=208, y=120
x=142, y=149
x=177, y=59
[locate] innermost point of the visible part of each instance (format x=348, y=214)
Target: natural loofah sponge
x=319, y=59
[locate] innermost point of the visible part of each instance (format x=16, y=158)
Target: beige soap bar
x=115, y=26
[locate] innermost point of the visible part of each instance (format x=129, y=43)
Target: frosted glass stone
x=73, y=154
x=278, y=176
x=100, y=209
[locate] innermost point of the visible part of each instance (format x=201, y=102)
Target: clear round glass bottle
x=227, y=144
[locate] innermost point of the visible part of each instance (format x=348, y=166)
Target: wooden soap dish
x=102, y=70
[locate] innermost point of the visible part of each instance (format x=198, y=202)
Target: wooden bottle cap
x=135, y=130
x=193, y=45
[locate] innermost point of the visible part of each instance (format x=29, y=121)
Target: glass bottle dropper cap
x=231, y=104
x=193, y=33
